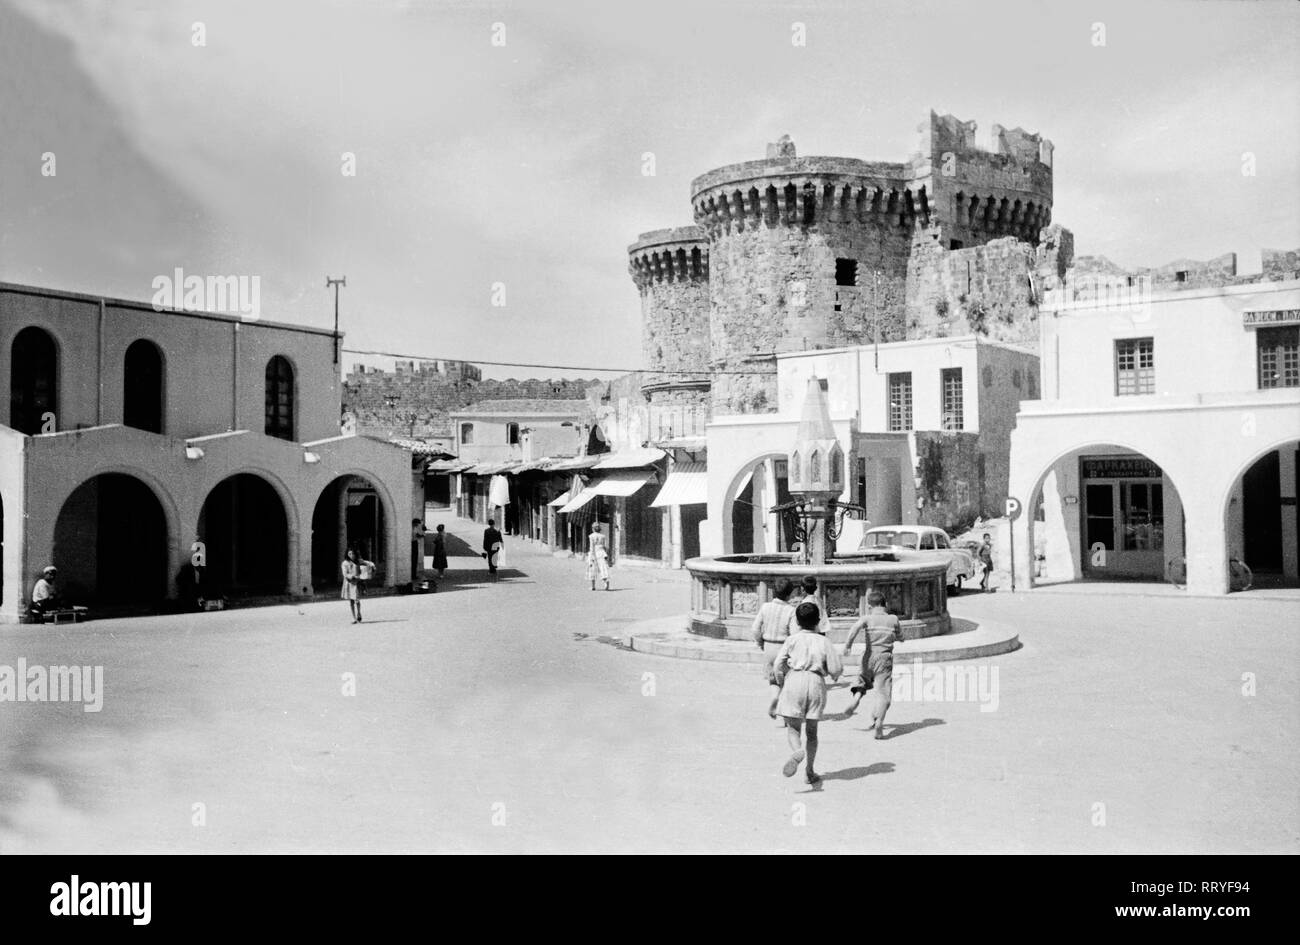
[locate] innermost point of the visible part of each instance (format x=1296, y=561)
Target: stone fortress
x=795, y=253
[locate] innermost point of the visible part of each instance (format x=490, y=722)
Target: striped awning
x=616, y=484
x=688, y=484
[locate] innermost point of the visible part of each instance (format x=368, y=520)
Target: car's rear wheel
x=955, y=588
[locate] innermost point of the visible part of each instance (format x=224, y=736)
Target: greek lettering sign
x=1120, y=467
x=1277, y=316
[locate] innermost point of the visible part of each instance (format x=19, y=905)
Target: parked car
x=924, y=540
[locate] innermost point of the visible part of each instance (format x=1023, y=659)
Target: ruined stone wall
x=993, y=290
x=948, y=466
x=979, y=192
x=382, y=401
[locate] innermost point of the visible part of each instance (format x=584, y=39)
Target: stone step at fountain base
x=668, y=636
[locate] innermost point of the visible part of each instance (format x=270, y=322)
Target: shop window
x=1135, y=366
x=1279, y=357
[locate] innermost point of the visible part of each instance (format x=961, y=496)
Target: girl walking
x=440, y=550
x=354, y=567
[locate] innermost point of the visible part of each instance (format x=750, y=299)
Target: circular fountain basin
x=727, y=591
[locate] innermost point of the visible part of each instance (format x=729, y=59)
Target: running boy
x=771, y=628
x=802, y=665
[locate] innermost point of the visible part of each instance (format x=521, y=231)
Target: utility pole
x=336, y=283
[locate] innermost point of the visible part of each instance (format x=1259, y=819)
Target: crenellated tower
x=671, y=271
x=797, y=253
x=806, y=252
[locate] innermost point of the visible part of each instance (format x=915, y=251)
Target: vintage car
x=923, y=541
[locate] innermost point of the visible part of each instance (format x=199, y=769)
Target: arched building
x=130, y=434
x=1166, y=436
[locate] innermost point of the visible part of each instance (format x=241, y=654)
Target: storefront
x=1122, y=517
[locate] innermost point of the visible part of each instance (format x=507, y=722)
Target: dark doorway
x=142, y=393
x=246, y=531
x=742, y=520
x=1261, y=497
x=110, y=543
x=692, y=516
x=33, y=381
x=348, y=514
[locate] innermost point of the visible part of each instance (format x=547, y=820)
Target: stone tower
x=671, y=272
x=815, y=252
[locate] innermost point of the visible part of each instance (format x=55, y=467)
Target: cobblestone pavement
x=503, y=717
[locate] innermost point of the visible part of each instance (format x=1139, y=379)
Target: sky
x=522, y=164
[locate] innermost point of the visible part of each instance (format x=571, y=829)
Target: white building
x=1168, y=428
x=925, y=426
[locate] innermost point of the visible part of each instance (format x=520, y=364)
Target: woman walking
x=440, y=550
x=355, y=570
x=597, y=556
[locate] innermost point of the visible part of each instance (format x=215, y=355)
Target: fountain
x=727, y=591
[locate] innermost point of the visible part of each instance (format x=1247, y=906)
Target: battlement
x=679, y=254
x=784, y=189
x=945, y=133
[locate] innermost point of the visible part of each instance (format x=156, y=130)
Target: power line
x=548, y=367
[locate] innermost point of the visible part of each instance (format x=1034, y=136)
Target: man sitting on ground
x=45, y=595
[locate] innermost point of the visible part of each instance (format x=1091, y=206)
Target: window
x=1180, y=275
x=1279, y=357
x=941, y=541
x=142, y=387
x=823, y=383
x=512, y=434
x=815, y=468
x=33, y=381
x=900, y=402
x=846, y=272
x=279, y=398
x=466, y=434
x=1135, y=366
x=950, y=381
x=955, y=244
x=927, y=541
x=1033, y=385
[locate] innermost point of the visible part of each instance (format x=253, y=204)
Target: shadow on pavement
x=896, y=731
x=853, y=774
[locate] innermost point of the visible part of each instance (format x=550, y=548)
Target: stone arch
x=1260, y=527
x=251, y=540
x=378, y=539
x=114, y=538
x=1067, y=542
x=740, y=494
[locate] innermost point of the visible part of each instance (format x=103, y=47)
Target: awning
x=561, y=499
x=578, y=462
x=631, y=459
x=616, y=484
x=688, y=484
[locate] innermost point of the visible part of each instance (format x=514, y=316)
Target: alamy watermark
x=917, y=682
x=23, y=683
x=232, y=295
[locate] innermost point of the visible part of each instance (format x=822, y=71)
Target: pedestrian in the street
x=597, y=556
x=809, y=585
x=355, y=571
x=440, y=550
x=805, y=660
x=417, y=553
x=986, y=560
x=492, y=543
x=881, y=631
x=771, y=629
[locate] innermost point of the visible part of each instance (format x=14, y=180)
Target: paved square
x=494, y=717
